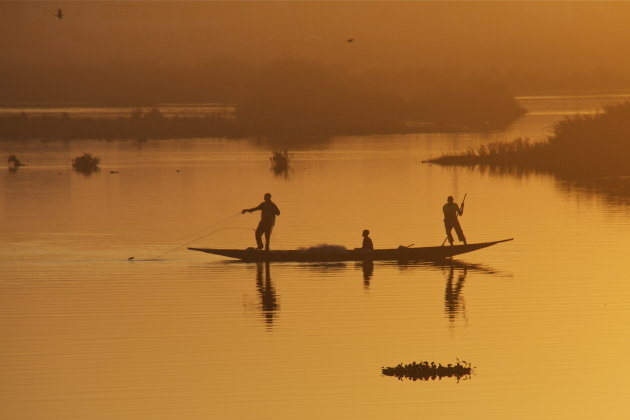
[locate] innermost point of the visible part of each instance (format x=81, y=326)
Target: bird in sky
x=59, y=14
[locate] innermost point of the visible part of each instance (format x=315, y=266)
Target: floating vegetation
x=280, y=163
x=86, y=163
x=424, y=371
x=14, y=163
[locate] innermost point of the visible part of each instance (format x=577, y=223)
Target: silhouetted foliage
x=478, y=105
x=290, y=94
x=86, y=163
x=139, y=125
x=14, y=163
x=581, y=145
x=289, y=97
x=280, y=163
x=424, y=371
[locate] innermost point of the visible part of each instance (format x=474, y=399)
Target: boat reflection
x=455, y=272
x=367, y=267
x=268, y=296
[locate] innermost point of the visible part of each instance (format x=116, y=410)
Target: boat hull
x=430, y=253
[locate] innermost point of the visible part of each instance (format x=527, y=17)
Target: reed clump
x=14, y=163
x=580, y=145
x=86, y=163
x=280, y=162
x=425, y=371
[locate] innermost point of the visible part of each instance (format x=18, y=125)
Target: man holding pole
x=451, y=210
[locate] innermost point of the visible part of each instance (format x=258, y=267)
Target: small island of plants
x=425, y=371
x=86, y=163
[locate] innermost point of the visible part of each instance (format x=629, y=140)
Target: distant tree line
x=284, y=96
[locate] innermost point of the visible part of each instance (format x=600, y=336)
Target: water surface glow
x=87, y=333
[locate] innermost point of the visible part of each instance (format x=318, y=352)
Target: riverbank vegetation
x=581, y=145
x=139, y=125
x=295, y=97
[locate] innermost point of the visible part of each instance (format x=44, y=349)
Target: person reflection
x=368, y=270
x=453, y=301
x=268, y=296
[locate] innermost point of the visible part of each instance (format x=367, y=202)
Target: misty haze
x=314, y=210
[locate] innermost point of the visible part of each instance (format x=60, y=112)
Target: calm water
x=88, y=334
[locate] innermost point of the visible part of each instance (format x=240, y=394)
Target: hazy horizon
x=528, y=45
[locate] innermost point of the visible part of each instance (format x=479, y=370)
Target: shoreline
x=155, y=125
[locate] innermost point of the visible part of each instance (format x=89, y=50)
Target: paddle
x=461, y=207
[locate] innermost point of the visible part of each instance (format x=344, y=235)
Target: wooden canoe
x=333, y=254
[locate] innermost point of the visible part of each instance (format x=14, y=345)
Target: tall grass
x=580, y=145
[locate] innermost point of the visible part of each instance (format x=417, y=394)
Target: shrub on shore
x=580, y=145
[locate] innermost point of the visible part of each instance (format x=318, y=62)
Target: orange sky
x=387, y=34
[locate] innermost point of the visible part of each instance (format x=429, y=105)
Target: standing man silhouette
x=451, y=210
x=268, y=213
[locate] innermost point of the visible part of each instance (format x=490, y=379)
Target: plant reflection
x=614, y=189
x=268, y=296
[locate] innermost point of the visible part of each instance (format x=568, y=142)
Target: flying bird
x=59, y=14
